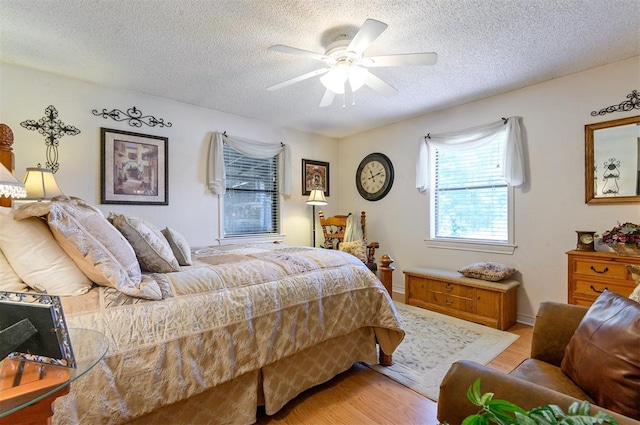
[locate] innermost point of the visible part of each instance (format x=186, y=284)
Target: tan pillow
x=151, y=247
x=603, y=355
x=36, y=257
x=356, y=248
x=9, y=280
x=99, y=249
x=179, y=246
x=487, y=270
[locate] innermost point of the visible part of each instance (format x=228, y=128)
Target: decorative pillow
x=9, y=280
x=356, y=248
x=603, y=355
x=98, y=248
x=487, y=270
x=152, y=249
x=36, y=257
x=179, y=246
x=635, y=274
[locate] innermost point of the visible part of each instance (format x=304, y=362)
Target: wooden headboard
x=6, y=155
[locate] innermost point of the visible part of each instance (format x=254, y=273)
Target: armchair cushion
x=603, y=356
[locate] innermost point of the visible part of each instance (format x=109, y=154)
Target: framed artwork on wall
x=134, y=168
x=315, y=174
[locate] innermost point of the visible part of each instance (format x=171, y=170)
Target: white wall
x=192, y=209
x=548, y=209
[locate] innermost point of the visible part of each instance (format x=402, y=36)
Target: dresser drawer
x=452, y=289
x=590, y=273
x=593, y=288
x=601, y=269
x=450, y=301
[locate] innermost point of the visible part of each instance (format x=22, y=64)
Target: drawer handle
x=448, y=287
x=606, y=269
x=448, y=301
x=595, y=290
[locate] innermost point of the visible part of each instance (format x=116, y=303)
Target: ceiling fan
x=345, y=63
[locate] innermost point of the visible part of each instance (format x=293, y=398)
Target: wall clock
x=374, y=177
x=586, y=241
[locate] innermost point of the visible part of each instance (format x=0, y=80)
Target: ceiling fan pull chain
x=344, y=96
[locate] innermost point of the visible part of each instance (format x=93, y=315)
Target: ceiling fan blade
x=379, y=85
x=327, y=99
x=368, y=32
x=407, y=59
x=298, y=79
x=299, y=52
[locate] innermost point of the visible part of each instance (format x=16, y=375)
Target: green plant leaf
x=473, y=393
x=475, y=420
x=505, y=406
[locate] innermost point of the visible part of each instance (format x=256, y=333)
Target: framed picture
x=134, y=168
x=51, y=343
x=315, y=174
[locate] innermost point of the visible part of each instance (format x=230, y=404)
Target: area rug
x=433, y=342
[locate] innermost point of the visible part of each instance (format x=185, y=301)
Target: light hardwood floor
x=362, y=396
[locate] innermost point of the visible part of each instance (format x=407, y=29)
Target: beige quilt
x=237, y=310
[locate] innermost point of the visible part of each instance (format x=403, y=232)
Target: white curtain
x=216, y=175
x=512, y=163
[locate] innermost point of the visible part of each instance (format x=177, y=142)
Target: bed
x=206, y=338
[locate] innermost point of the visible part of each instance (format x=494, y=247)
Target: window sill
x=270, y=238
x=493, y=248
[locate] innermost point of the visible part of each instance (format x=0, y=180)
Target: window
x=470, y=197
x=251, y=200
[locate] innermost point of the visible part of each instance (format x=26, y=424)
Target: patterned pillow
x=151, y=247
x=98, y=248
x=179, y=246
x=356, y=248
x=486, y=270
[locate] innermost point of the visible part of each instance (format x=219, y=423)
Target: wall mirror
x=612, y=161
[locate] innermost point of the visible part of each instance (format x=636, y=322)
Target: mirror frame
x=589, y=129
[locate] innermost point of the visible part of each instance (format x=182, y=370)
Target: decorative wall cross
x=53, y=129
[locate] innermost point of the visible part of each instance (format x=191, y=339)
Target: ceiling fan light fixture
x=334, y=80
x=357, y=77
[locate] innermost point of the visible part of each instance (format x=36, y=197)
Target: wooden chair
x=333, y=229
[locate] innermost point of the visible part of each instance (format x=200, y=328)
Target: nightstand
x=28, y=389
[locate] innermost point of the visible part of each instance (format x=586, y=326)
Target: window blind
x=470, y=194
x=251, y=201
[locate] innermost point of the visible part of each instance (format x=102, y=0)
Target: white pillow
x=37, y=258
x=179, y=246
x=9, y=280
x=99, y=249
x=151, y=247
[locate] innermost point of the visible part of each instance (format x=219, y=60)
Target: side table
x=27, y=389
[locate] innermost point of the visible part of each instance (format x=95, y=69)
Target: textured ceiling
x=213, y=53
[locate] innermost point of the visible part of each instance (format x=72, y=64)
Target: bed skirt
x=236, y=401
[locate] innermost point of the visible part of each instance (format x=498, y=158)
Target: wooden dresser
x=448, y=292
x=591, y=272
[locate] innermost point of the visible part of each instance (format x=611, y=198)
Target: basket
x=627, y=250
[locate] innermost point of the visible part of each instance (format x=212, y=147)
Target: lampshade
x=9, y=186
x=335, y=79
x=41, y=184
x=316, y=197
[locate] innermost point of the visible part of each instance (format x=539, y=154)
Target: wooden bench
x=448, y=292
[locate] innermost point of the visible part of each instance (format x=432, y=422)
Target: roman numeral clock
x=374, y=177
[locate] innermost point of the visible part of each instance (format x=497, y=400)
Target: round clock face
x=374, y=177
x=586, y=238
